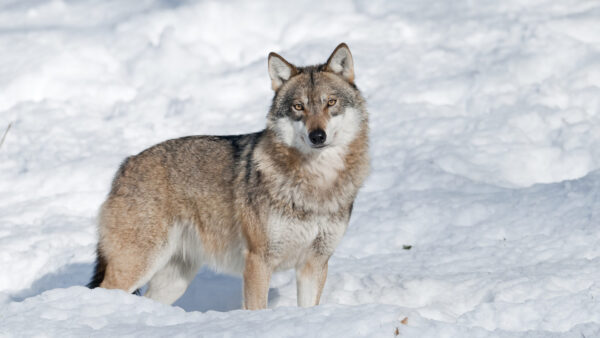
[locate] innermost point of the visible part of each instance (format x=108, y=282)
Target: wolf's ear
x=340, y=62
x=280, y=70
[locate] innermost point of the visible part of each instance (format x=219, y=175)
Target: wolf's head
x=316, y=107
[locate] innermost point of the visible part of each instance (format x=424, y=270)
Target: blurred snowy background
x=485, y=129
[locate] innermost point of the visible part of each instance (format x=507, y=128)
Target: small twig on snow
x=4, y=136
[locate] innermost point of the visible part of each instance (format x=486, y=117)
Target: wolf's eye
x=298, y=106
x=331, y=102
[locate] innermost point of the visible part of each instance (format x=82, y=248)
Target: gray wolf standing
x=246, y=204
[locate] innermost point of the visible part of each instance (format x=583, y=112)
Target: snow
x=481, y=215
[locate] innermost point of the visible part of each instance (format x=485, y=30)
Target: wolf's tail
x=99, y=271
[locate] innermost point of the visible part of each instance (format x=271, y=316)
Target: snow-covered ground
x=481, y=216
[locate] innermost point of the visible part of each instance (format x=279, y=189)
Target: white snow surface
x=485, y=143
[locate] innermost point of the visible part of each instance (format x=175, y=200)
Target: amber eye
x=331, y=102
x=298, y=106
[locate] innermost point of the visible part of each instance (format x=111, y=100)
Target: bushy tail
x=99, y=271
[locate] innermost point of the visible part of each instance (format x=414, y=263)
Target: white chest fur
x=291, y=240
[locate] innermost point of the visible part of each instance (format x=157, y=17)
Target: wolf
x=249, y=204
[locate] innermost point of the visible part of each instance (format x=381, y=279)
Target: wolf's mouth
x=320, y=146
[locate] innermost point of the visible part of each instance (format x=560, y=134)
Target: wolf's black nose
x=317, y=137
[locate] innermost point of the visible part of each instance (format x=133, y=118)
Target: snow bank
x=481, y=214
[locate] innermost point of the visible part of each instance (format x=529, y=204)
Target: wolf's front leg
x=310, y=279
x=257, y=275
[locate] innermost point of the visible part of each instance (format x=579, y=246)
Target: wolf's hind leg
x=125, y=274
x=170, y=282
x=131, y=263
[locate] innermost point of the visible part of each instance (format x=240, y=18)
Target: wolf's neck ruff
x=321, y=181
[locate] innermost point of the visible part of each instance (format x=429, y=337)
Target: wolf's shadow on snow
x=208, y=291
